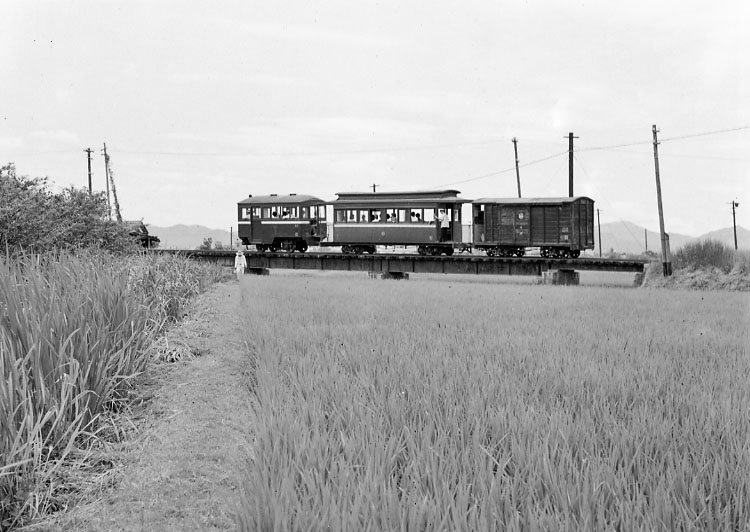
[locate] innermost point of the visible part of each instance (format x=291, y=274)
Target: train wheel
x=272, y=248
x=301, y=246
x=575, y=253
x=449, y=251
x=346, y=249
x=422, y=250
x=520, y=252
x=371, y=250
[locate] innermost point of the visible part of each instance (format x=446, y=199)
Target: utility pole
x=518, y=176
x=88, y=151
x=645, y=236
x=374, y=186
x=734, y=223
x=599, y=224
x=106, y=172
x=570, y=163
x=665, y=260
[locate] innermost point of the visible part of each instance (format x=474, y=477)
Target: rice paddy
x=433, y=405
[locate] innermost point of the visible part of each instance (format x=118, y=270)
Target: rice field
x=75, y=331
x=441, y=405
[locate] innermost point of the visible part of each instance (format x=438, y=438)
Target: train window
x=244, y=213
x=321, y=212
x=391, y=215
x=340, y=216
x=479, y=214
x=351, y=215
x=375, y=215
x=266, y=212
x=402, y=215
x=294, y=212
x=256, y=212
x=364, y=216
x=303, y=212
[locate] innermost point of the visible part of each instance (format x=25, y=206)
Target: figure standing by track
x=240, y=263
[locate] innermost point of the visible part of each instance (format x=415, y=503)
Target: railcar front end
x=281, y=223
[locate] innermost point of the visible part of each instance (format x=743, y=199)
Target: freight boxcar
x=281, y=223
x=559, y=227
x=428, y=220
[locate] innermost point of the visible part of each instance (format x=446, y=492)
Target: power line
x=499, y=172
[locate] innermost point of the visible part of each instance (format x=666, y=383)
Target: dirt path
x=184, y=469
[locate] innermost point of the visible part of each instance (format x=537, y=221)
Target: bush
x=704, y=254
x=34, y=219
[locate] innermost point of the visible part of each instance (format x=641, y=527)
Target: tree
x=207, y=244
x=34, y=218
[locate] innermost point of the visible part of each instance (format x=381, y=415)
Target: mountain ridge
x=617, y=237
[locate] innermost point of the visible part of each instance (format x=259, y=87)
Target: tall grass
x=74, y=332
x=705, y=254
x=427, y=406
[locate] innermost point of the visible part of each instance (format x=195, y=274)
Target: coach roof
x=275, y=199
x=417, y=196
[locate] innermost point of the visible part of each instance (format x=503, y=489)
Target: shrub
x=704, y=254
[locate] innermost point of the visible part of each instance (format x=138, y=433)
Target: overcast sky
x=203, y=103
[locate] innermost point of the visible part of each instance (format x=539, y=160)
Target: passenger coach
x=429, y=220
x=560, y=227
x=281, y=223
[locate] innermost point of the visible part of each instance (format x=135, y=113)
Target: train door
x=455, y=227
x=478, y=219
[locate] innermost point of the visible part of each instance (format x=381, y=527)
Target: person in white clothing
x=240, y=263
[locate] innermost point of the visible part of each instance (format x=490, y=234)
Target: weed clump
x=703, y=255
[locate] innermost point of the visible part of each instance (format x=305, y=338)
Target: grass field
x=75, y=332
x=441, y=405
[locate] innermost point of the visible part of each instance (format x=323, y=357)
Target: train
x=429, y=221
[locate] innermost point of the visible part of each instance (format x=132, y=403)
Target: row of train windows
x=426, y=216
x=284, y=212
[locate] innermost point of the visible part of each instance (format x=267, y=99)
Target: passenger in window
x=285, y=214
x=274, y=215
x=418, y=218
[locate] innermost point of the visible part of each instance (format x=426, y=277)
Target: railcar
x=559, y=227
x=429, y=220
x=281, y=223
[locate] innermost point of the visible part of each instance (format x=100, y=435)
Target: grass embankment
x=429, y=406
x=75, y=330
x=704, y=265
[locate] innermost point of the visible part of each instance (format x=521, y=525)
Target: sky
x=203, y=103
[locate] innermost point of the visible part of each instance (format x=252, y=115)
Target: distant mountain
x=726, y=236
x=627, y=237
x=621, y=237
x=187, y=236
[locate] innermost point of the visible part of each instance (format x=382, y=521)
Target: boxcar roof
x=531, y=201
x=417, y=196
x=274, y=199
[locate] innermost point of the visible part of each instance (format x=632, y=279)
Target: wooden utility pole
x=665, y=259
x=645, y=236
x=88, y=152
x=106, y=173
x=734, y=223
x=374, y=186
x=518, y=176
x=570, y=164
x=599, y=224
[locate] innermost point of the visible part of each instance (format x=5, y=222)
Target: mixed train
x=430, y=221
